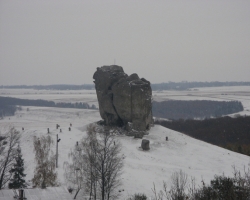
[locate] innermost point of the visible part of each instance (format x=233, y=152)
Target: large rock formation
x=123, y=100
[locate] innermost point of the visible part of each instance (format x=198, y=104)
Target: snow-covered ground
x=142, y=168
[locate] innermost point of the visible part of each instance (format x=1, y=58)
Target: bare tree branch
x=8, y=154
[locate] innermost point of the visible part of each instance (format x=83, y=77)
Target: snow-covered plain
x=67, y=96
x=141, y=168
x=233, y=93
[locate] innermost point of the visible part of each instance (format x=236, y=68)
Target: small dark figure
x=77, y=143
x=23, y=129
x=48, y=130
x=70, y=124
x=70, y=190
x=60, y=130
x=69, y=129
x=166, y=138
x=57, y=126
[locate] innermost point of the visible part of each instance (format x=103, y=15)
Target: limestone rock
x=145, y=144
x=105, y=77
x=123, y=99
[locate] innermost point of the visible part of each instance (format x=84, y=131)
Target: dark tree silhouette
x=17, y=181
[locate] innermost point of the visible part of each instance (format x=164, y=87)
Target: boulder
x=145, y=144
x=123, y=99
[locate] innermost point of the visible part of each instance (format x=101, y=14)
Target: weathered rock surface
x=145, y=144
x=122, y=98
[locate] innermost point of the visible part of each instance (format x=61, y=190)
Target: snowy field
x=234, y=93
x=142, y=168
x=68, y=96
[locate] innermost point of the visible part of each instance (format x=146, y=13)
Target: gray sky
x=63, y=41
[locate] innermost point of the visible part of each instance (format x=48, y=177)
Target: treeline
x=187, y=85
x=8, y=105
x=156, y=86
x=176, y=109
x=7, y=110
x=51, y=87
x=227, y=132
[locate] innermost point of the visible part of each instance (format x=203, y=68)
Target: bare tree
x=109, y=165
x=179, y=185
x=96, y=165
x=44, y=174
x=8, y=148
x=80, y=172
x=90, y=149
x=74, y=171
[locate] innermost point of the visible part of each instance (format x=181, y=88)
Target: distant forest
x=173, y=109
x=156, y=86
x=187, y=85
x=9, y=105
x=176, y=109
x=52, y=87
x=227, y=132
x=7, y=110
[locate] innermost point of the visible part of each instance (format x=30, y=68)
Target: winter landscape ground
x=141, y=168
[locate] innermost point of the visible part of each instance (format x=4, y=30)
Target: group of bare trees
x=96, y=165
x=11, y=162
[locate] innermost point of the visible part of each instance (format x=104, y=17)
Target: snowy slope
x=142, y=168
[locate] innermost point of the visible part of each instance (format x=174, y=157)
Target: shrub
x=220, y=188
x=139, y=196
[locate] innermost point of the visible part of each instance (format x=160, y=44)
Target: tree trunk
x=77, y=193
x=103, y=182
x=5, y=165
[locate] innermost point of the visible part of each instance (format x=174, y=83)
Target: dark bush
x=221, y=188
x=139, y=197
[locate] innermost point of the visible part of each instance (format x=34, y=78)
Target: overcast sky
x=64, y=41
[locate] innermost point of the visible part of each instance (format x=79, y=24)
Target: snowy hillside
x=142, y=168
